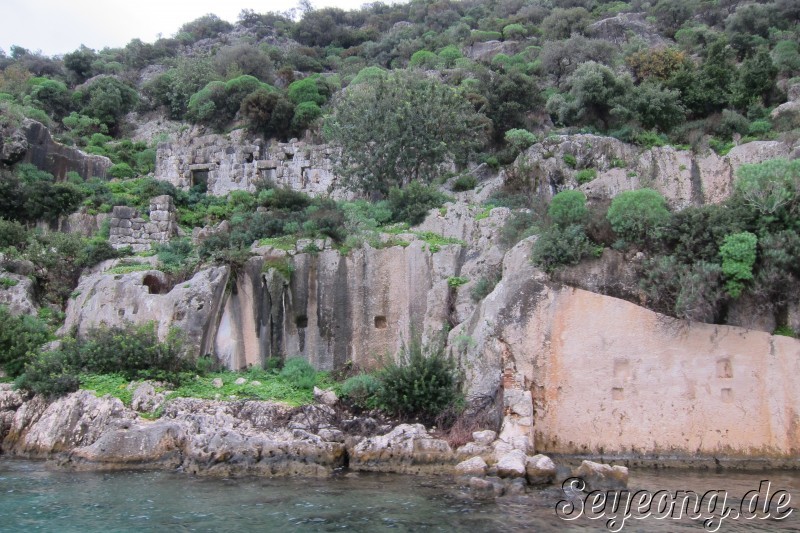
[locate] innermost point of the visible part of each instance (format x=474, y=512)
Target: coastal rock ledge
x=208, y=437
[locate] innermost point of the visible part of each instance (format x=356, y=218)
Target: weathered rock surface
x=325, y=397
x=671, y=388
x=146, y=399
x=484, y=437
x=540, y=470
x=600, y=476
x=54, y=157
x=336, y=308
x=512, y=464
x=472, y=467
x=17, y=294
x=486, y=50
x=408, y=448
x=13, y=145
x=141, y=297
x=209, y=437
x=683, y=177
x=41, y=430
x=620, y=28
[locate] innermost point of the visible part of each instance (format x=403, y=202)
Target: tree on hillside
x=400, y=128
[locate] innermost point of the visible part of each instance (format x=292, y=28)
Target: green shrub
x=412, y=203
x=21, y=337
x=456, y=281
x=586, y=175
x=568, y=208
x=121, y=171
x=685, y=290
x=177, y=256
x=483, y=287
x=12, y=234
x=561, y=246
x=638, y=216
x=759, y=128
x=299, y=373
x=362, y=391
x=7, y=283
x=785, y=331
x=738, y=253
x=519, y=225
x=770, y=186
x=421, y=383
x=50, y=374
x=465, y=183
x=304, y=114
x=519, y=139
x=570, y=160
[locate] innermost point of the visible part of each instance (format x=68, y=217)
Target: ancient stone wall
x=128, y=228
x=237, y=162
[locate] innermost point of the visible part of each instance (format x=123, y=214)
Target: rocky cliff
x=32, y=143
x=684, y=178
x=650, y=387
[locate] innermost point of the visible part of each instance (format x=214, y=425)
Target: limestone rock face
x=142, y=297
x=10, y=400
x=151, y=445
x=17, y=294
x=408, y=448
x=484, y=437
x=529, y=335
x=600, y=476
x=73, y=421
x=335, y=308
x=56, y=158
x=485, y=51
x=682, y=177
x=620, y=28
x=237, y=162
x=146, y=399
x=325, y=397
x=82, y=224
x=13, y=145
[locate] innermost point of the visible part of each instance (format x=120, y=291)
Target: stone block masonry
x=226, y=163
x=128, y=228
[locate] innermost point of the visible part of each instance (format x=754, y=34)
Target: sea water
x=37, y=496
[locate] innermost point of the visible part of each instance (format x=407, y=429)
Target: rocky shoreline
x=240, y=438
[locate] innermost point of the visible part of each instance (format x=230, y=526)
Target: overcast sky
x=61, y=26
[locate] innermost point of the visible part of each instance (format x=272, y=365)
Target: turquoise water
x=37, y=497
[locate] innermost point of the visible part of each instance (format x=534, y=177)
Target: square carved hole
x=380, y=322
x=301, y=321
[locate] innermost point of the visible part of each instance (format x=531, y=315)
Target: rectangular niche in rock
x=200, y=178
x=380, y=322
x=301, y=321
